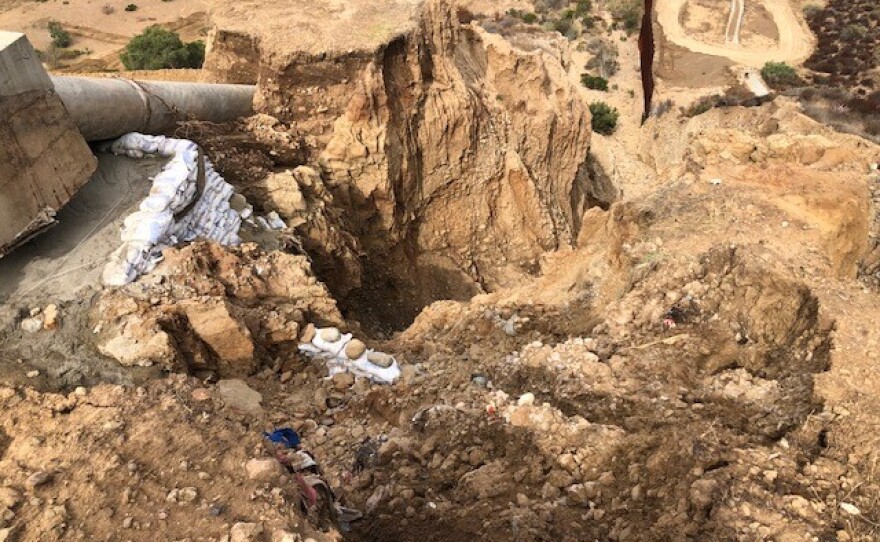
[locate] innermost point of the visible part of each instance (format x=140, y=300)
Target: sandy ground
x=102, y=34
x=795, y=43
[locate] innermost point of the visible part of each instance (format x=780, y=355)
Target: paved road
x=794, y=46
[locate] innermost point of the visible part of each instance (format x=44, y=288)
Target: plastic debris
x=329, y=345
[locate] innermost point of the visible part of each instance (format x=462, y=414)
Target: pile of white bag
x=343, y=353
x=153, y=227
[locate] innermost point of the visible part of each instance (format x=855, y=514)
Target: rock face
x=206, y=307
x=457, y=158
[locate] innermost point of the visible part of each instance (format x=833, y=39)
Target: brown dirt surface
x=688, y=354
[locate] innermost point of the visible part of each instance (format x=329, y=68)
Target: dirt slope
x=694, y=360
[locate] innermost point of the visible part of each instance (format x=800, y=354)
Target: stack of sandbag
x=343, y=353
x=154, y=226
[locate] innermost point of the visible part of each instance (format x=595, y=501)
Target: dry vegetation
x=848, y=51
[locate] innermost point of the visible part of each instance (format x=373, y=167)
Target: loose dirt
x=695, y=361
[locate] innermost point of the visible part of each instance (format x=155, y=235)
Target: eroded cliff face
x=457, y=158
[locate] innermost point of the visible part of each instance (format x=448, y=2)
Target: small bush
x=157, y=48
x=780, y=75
x=604, y=118
x=107, y=9
x=811, y=10
x=565, y=26
x=604, y=61
x=663, y=107
x=853, y=32
x=704, y=104
x=131, y=7
x=543, y=6
x=594, y=82
x=626, y=14
x=525, y=16
x=60, y=38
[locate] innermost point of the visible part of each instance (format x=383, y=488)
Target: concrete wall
x=43, y=158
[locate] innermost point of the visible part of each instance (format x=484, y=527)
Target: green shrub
x=626, y=13
x=157, y=48
x=60, y=38
x=131, y=7
x=703, y=105
x=583, y=7
x=811, y=10
x=526, y=16
x=604, y=118
x=853, y=32
x=565, y=26
x=780, y=75
x=594, y=82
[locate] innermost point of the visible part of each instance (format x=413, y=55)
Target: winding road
x=794, y=46
x=734, y=23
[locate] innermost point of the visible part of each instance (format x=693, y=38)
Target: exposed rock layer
x=458, y=159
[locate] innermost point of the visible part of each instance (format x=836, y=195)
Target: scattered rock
x=245, y=532
x=50, y=317
x=237, y=395
x=201, y=394
x=224, y=334
x=263, y=469
x=32, y=325
x=38, y=478
x=330, y=334
x=526, y=399
x=285, y=536
x=355, y=349
x=850, y=509
x=308, y=334
x=380, y=359
x=342, y=381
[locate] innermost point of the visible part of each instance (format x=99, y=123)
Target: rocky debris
x=38, y=478
x=50, y=316
x=32, y=325
x=245, y=532
x=379, y=126
x=263, y=469
x=226, y=336
x=237, y=395
x=207, y=307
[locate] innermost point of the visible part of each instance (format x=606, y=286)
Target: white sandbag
x=331, y=347
x=153, y=227
x=146, y=227
x=155, y=203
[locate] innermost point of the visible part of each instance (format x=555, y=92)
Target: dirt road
x=734, y=23
x=794, y=45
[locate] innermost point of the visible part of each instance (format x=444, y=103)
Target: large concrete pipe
x=105, y=108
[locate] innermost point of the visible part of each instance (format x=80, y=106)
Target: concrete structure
x=45, y=123
x=43, y=158
x=112, y=107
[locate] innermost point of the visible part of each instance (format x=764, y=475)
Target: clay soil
x=699, y=364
